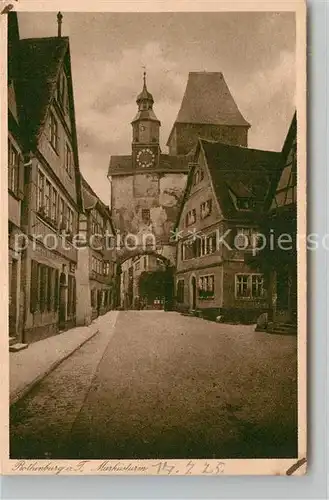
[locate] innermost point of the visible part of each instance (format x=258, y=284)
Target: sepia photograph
x=156, y=275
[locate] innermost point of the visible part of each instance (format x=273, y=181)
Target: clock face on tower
x=145, y=158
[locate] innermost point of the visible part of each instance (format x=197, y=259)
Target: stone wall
x=133, y=195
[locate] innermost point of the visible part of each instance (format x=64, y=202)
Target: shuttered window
x=34, y=286
x=44, y=288
x=56, y=290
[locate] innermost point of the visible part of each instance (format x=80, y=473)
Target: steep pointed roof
x=40, y=63
x=208, y=100
x=145, y=103
x=91, y=200
x=236, y=171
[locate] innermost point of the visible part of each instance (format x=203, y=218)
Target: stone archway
x=146, y=281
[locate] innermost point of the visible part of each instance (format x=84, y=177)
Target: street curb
x=23, y=392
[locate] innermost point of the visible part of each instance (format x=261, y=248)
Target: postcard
x=154, y=218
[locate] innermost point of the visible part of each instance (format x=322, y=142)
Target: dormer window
x=62, y=90
x=198, y=176
x=53, y=132
x=68, y=160
x=245, y=203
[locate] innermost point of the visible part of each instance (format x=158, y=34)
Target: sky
x=254, y=51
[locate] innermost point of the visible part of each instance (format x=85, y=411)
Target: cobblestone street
x=159, y=384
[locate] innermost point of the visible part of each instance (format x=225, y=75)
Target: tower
x=208, y=111
x=146, y=133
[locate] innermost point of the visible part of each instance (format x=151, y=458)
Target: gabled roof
x=122, y=165
x=243, y=172
x=290, y=138
x=246, y=172
x=40, y=63
x=208, y=100
x=91, y=200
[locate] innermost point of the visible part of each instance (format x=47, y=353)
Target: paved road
x=165, y=385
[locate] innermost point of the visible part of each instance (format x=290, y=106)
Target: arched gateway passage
x=146, y=281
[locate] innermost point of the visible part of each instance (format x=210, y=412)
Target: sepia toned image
x=156, y=284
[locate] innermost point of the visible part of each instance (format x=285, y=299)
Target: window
x=190, y=217
x=205, y=209
x=62, y=90
x=190, y=249
x=137, y=266
x=146, y=216
x=13, y=168
x=40, y=192
x=198, y=176
x=180, y=291
x=206, y=287
x=249, y=286
x=51, y=206
x=53, y=132
x=69, y=225
x=47, y=198
x=54, y=204
x=98, y=267
x=44, y=291
x=68, y=160
x=245, y=203
x=97, y=223
x=62, y=214
x=145, y=262
x=106, y=268
x=246, y=237
x=199, y=247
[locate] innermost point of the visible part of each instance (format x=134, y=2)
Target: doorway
x=62, y=301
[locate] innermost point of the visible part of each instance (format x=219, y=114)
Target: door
x=193, y=292
x=285, y=302
x=62, y=301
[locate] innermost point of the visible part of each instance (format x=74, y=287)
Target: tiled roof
x=208, y=100
x=40, y=61
x=122, y=165
x=91, y=200
x=248, y=173
x=290, y=138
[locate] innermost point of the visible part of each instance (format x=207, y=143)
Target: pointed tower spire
x=145, y=103
x=59, y=22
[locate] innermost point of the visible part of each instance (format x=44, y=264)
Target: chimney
x=59, y=21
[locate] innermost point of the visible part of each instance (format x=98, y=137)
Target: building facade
x=51, y=195
x=218, y=224
x=96, y=272
x=279, y=264
x=15, y=188
x=147, y=186
x=208, y=111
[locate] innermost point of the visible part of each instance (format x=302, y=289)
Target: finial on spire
x=59, y=21
x=144, y=76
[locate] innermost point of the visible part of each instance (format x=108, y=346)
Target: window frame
x=249, y=277
x=53, y=134
x=146, y=220
x=13, y=167
x=205, y=280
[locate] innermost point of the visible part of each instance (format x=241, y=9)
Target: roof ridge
x=44, y=38
x=238, y=147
